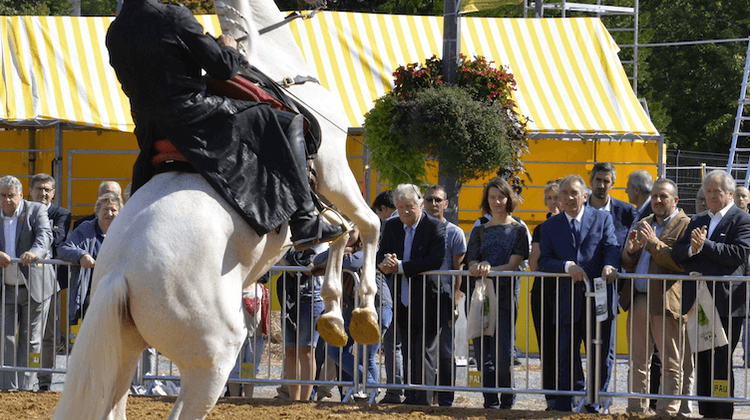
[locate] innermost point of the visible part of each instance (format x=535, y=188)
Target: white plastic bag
x=704, y=329
x=482, y=310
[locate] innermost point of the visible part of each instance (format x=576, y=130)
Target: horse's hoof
x=364, y=326
x=331, y=329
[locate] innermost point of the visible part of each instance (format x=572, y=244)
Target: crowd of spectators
x=588, y=235
x=32, y=307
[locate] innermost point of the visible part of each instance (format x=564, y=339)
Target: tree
x=411, y=7
x=694, y=88
x=34, y=8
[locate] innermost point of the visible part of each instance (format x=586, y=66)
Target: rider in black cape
x=252, y=154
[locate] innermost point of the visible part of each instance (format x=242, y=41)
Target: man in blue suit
x=717, y=243
x=580, y=241
x=413, y=243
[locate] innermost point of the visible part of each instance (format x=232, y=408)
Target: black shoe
x=390, y=399
x=43, y=388
x=308, y=233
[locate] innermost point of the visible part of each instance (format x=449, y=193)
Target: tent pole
x=57, y=164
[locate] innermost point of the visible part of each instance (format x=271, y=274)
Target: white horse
x=177, y=257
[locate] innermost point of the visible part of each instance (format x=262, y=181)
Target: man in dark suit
x=412, y=244
x=581, y=242
x=638, y=189
x=24, y=234
x=603, y=177
x=42, y=190
x=717, y=243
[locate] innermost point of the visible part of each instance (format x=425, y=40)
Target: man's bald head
x=109, y=186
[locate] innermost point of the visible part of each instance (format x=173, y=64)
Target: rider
x=253, y=155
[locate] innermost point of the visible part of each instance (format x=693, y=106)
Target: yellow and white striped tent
x=570, y=81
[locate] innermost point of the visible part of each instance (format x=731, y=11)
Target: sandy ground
x=27, y=405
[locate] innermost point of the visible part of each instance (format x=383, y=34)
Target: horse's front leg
x=331, y=323
x=364, y=327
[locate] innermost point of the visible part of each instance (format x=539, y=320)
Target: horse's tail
x=94, y=364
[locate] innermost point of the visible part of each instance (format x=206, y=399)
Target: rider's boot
x=308, y=229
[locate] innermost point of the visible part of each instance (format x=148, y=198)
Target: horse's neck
x=275, y=52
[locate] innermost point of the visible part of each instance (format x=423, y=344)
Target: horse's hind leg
x=201, y=387
x=132, y=346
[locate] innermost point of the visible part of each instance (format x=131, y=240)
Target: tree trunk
x=452, y=189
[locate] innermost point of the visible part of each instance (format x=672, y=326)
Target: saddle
x=250, y=84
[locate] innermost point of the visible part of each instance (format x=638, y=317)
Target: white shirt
x=716, y=218
x=12, y=275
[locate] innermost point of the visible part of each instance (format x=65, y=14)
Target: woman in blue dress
x=501, y=244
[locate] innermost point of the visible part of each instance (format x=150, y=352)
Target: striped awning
x=570, y=80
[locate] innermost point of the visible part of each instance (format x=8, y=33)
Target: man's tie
x=408, y=239
x=575, y=232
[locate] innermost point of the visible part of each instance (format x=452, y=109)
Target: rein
x=290, y=17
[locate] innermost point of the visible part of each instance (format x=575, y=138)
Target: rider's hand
x=227, y=40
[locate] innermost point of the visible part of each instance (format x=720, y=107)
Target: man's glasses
x=434, y=199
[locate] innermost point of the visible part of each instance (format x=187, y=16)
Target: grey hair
x=41, y=179
x=725, y=180
x=12, y=182
x=642, y=180
x=552, y=186
x=108, y=198
x=660, y=181
x=576, y=178
x=408, y=192
x=603, y=167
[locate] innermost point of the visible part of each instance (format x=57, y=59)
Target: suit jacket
x=648, y=211
x=427, y=252
x=33, y=233
x=60, y=219
x=598, y=248
x=661, y=262
x=623, y=215
x=725, y=253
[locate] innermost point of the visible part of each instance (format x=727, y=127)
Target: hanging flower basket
x=471, y=127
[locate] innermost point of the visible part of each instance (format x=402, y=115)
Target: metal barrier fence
x=365, y=372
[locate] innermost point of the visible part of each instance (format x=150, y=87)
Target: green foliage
x=403, y=7
x=470, y=128
x=34, y=8
x=98, y=7
x=696, y=86
x=396, y=160
x=468, y=135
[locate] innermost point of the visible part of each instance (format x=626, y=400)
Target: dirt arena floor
x=27, y=405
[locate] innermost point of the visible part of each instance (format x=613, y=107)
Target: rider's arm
x=221, y=62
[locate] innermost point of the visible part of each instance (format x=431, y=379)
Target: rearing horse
x=177, y=257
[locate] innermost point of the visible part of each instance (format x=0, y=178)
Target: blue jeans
x=251, y=352
x=446, y=367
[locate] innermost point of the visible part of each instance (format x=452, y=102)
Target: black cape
x=239, y=147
